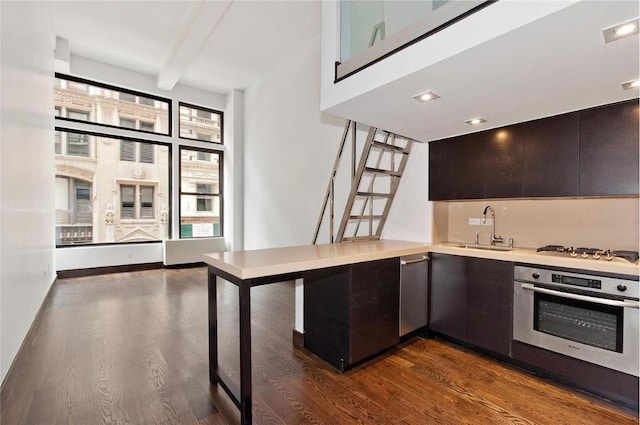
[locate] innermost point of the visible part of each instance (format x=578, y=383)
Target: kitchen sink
x=486, y=247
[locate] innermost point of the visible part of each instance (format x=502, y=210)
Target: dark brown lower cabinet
x=471, y=301
x=448, y=307
x=490, y=304
x=352, y=312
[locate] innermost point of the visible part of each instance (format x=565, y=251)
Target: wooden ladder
x=374, y=185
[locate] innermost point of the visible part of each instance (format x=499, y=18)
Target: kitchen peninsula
x=247, y=269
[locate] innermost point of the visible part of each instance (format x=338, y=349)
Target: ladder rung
x=381, y=171
x=389, y=147
x=366, y=217
x=360, y=238
x=375, y=195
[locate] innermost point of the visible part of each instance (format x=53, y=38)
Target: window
x=136, y=151
x=117, y=199
x=132, y=210
x=127, y=201
x=200, y=193
x=146, y=126
x=73, y=211
x=77, y=144
x=200, y=123
x=126, y=123
x=127, y=97
x=122, y=102
x=77, y=115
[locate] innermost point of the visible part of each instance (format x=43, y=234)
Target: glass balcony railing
x=373, y=30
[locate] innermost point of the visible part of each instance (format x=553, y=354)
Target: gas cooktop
x=590, y=253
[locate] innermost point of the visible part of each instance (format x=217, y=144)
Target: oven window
x=580, y=321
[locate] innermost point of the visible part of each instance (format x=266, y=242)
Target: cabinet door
x=551, y=156
x=503, y=163
x=448, y=308
x=456, y=168
x=609, y=150
x=326, y=313
x=490, y=304
x=374, y=307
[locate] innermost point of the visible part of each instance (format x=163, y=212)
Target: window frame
x=203, y=108
x=78, y=80
x=169, y=184
x=219, y=195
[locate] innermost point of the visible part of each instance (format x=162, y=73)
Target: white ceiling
x=212, y=45
x=557, y=64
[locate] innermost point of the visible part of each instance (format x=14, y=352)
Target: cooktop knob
x=536, y=275
x=585, y=255
x=621, y=287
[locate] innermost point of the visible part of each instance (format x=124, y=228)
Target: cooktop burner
x=590, y=253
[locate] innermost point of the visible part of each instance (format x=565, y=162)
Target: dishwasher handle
x=413, y=261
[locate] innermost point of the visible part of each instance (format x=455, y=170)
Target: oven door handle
x=614, y=303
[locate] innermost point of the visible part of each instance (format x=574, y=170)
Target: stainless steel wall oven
x=592, y=318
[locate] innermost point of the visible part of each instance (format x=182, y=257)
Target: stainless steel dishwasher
x=414, y=276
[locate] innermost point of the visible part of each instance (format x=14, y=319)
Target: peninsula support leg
x=245, y=352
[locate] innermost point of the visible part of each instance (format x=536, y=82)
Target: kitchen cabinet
x=471, y=301
x=502, y=172
x=609, y=150
x=448, y=306
x=551, y=149
x=490, y=304
x=593, y=152
x=352, y=312
x=455, y=169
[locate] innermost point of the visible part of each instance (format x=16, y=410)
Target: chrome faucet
x=494, y=238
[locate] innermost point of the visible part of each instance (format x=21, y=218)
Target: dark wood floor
x=131, y=348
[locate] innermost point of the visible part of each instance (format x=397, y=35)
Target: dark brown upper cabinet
x=503, y=162
x=551, y=156
x=456, y=169
x=609, y=150
x=593, y=152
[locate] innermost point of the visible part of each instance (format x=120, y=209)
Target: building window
x=127, y=202
x=200, y=193
x=87, y=95
x=74, y=211
x=77, y=144
x=136, y=151
x=146, y=126
x=143, y=208
x=200, y=123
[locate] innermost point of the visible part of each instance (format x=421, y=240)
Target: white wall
x=289, y=151
x=27, y=241
x=290, y=147
x=71, y=258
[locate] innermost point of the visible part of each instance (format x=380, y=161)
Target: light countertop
x=274, y=261
x=268, y=262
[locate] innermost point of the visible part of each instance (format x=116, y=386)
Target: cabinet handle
x=417, y=260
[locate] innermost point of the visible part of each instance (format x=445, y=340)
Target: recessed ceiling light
x=475, y=121
x=621, y=30
x=628, y=85
x=426, y=96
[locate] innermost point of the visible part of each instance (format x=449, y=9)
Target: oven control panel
x=618, y=285
x=576, y=281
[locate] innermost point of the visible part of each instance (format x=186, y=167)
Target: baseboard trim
x=28, y=339
x=64, y=274
x=185, y=265
x=298, y=339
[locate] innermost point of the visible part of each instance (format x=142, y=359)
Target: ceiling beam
x=203, y=20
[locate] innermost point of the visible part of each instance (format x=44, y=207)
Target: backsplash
x=606, y=223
